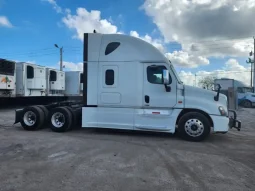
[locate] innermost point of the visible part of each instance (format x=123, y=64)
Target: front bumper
x=233, y=122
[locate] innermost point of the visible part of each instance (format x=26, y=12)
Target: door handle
x=147, y=99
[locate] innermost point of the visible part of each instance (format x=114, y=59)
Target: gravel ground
x=89, y=159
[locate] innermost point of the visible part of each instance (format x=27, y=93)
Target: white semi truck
x=129, y=84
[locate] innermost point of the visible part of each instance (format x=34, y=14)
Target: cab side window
x=155, y=74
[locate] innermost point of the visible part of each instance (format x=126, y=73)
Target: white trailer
x=74, y=85
x=7, y=78
x=31, y=80
x=55, y=82
x=129, y=84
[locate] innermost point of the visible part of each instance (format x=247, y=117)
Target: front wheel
x=194, y=126
x=247, y=104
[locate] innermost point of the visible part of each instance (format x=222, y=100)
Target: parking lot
x=87, y=159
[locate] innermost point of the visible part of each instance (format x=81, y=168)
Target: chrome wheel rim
x=29, y=118
x=58, y=119
x=194, y=127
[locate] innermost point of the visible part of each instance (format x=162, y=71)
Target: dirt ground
x=89, y=159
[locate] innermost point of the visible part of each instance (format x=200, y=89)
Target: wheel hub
x=58, y=119
x=194, y=127
x=29, y=118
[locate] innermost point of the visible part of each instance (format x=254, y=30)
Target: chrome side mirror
x=166, y=77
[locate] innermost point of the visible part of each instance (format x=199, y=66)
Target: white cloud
x=55, y=5
x=158, y=43
x=184, y=59
x=84, y=21
x=202, y=25
x=4, y=22
x=232, y=70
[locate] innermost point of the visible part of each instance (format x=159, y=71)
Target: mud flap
x=233, y=122
x=18, y=115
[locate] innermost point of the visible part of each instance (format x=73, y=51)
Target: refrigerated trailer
x=27, y=83
x=129, y=84
x=31, y=80
x=7, y=78
x=55, y=82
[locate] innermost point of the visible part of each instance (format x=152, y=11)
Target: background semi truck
x=245, y=95
x=129, y=84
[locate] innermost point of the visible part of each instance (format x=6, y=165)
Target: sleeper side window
x=155, y=74
x=111, y=47
x=109, y=77
x=30, y=72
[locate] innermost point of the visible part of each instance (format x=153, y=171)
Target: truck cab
x=129, y=84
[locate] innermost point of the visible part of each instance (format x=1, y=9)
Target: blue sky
x=36, y=26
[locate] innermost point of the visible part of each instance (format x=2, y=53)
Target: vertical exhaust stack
x=85, y=67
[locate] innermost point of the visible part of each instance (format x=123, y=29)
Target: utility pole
x=195, y=79
x=61, y=56
x=250, y=62
x=61, y=59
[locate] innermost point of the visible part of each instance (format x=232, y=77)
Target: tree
x=207, y=82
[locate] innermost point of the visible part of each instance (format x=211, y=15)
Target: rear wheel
x=61, y=119
x=74, y=120
x=33, y=118
x=46, y=113
x=194, y=126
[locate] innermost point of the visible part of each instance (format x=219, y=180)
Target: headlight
x=222, y=111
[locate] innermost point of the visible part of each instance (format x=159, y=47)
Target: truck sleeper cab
x=129, y=84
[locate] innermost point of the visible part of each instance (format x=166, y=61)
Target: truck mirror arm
x=168, y=88
x=216, y=98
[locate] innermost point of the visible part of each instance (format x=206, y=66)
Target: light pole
x=250, y=61
x=61, y=56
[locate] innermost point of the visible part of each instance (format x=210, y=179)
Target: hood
x=250, y=93
x=197, y=97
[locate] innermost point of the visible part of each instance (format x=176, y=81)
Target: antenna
x=94, y=31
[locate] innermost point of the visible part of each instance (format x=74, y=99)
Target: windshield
x=247, y=89
x=175, y=73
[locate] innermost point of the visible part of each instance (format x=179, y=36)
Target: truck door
x=156, y=113
x=154, y=92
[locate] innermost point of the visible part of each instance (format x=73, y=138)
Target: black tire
x=193, y=121
x=46, y=113
x=67, y=119
x=247, y=104
x=74, y=119
x=39, y=118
